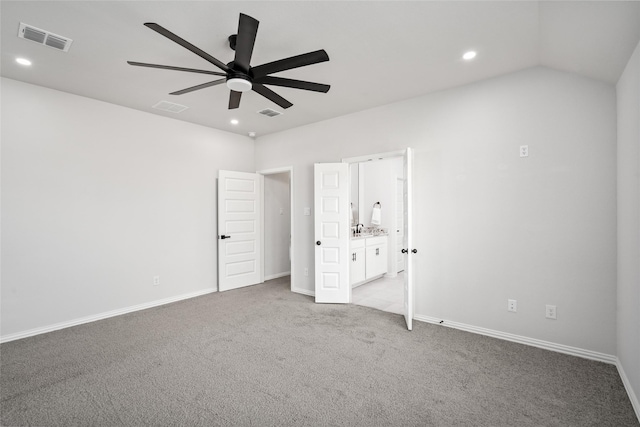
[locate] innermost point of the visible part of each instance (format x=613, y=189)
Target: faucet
x=359, y=228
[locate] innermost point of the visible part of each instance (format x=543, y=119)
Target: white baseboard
x=277, y=275
x=303, y=291
x=100, y=316
x=560, y=348
x=627, y=386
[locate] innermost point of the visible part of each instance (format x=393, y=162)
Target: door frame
x=292, y=251
x=401, y=182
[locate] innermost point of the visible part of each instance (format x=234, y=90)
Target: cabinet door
x=376, y=260
x=357, y=267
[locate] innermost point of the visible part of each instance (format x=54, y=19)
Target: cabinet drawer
x=371, y=241
x=355, y=244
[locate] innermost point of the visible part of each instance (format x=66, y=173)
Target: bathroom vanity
x=368, y=258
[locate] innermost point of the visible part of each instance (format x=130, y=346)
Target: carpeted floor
x=264, y=356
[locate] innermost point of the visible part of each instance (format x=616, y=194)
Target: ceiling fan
x=238, y=74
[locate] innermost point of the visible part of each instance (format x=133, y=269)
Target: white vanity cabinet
x=368, y=259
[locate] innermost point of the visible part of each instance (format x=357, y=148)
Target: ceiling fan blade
x=198, y=87
x=289, y=63
x=234, y=99
x=201, y=53
x=247, y=30
x=169, y=67
x=271, y=95
x=296, y=84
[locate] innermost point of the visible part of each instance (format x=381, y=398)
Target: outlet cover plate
x=551, y=312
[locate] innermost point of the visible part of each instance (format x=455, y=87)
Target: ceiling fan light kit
x=239, y=75
x=239, y=84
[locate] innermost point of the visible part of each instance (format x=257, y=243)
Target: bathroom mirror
x=355, y=193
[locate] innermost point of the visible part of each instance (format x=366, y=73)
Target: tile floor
x=386, y=294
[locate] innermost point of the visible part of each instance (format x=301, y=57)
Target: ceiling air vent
x=44, y=37
x=170, y=107
x=269, y=112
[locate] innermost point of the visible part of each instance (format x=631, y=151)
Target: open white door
x=332, y=217
x=408, y=235
x=239, y=233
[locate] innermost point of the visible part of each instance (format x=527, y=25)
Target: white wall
x=628, y=91
x=379, y=185
x=97, y=199
x=277, y=222
x=489, y=224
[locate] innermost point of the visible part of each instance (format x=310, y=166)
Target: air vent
x=170, y=107
x=43, y=37
x=269, y=112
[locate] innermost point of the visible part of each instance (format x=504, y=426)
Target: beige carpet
x=263, y=356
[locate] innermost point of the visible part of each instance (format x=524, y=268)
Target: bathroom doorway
x=388, y=176
x=378, y=183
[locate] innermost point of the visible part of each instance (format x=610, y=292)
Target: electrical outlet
x=512, y=305
x=306, y=271
x=307, y=211
x=551, y=311
x=156, y=280
x=524, y=151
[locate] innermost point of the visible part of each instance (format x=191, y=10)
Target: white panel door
x=239, y=233
x=331, y=219
x=408, y=237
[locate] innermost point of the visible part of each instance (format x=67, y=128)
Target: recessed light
x=234, y=121
x=23, y=61
x=469, y=55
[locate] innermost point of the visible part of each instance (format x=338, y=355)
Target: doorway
x=332, y=195
x=277, y=224
x=380, y=182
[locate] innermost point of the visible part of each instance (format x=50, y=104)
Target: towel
x=376, y=215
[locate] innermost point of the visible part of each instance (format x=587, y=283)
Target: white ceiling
x=380, y=52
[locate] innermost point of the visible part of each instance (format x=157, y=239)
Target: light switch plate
x=307, y=211
x=524, y=151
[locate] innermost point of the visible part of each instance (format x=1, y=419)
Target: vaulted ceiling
x=380, y=52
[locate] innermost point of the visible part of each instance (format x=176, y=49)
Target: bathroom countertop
x=365, y=235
